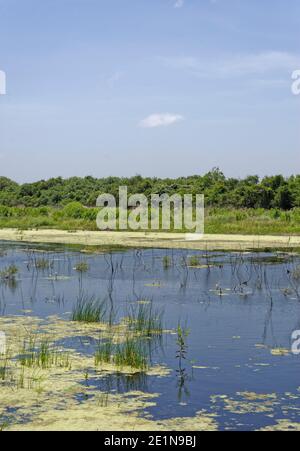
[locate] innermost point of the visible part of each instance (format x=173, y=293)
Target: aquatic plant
x=89, y=309
x=145, y=320
x=104, y=351
x=194, y=260
x=41, y=353
x=82, y=267
x=167, y=262
x=182, y=347
x=42, y=264
x=9, y=273
x=4, y=367
x=130, y=353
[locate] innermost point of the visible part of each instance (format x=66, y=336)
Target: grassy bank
x=218, y=221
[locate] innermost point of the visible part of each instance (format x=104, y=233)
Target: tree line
x=251, y=192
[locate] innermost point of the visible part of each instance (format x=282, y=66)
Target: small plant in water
x=89, y=309
x=41, y=354
x=9, y=273
x=82, y=267
x=42, y=264
x=182, y=347
x=132, y=353
x=145, y=320
x=194, y=261
x=167, y=262
x=104, y=351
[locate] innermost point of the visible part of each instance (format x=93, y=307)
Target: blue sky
x=156, y=87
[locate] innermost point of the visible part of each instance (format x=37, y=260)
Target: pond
x=223, y=353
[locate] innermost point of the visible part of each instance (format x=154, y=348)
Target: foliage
x=75, y=193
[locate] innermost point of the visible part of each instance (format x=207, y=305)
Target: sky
x=161, y=88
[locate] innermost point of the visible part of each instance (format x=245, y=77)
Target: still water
x=239, y=311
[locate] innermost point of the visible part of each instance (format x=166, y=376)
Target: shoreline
x=151, y=240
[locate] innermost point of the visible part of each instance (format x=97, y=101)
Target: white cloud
x=160, y=120
x=179, y=4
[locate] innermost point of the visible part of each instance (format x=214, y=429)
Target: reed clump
x=40, y=353
x=89, y=309
x=131, y=353
x=145, y=320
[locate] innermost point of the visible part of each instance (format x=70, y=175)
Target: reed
x=41, y=354
x=82, y=267
x=89, y=309
x=144, y=320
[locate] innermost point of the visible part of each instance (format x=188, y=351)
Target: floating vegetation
x=89, y=309
x=280, y=352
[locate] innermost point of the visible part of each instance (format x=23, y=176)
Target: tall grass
x=41, y=353
x=218, y=220
x=131, y=353
x=89, y=309
x=144, y=320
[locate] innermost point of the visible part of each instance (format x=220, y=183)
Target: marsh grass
x=144, y=320
x=104, y=351
x=40, y=353
x=131, y=353
x=167, y=262
x=89, y=309
x=4, y=367
x=194, y=261
x=42, y=264
x=82, y=267
x=9, y=273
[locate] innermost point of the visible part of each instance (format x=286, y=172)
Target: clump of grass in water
x=89, y=309
x=145, y=320
x=41, y=354
x=167, y=262
x=42, y=264
x=82, y=267
x=9, y=273
x=4, y=367
x=194, y=261
x=132, y=353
